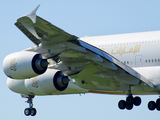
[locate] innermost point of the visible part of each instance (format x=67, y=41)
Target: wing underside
x=91, y=67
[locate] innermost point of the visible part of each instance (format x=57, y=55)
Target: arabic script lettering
x=122, y=50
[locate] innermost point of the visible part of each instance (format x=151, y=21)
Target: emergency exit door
x=138, y=61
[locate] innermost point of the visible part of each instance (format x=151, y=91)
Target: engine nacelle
x=25, y=64
x=50, y=82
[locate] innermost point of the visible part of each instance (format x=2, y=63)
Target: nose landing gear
x=30, y=111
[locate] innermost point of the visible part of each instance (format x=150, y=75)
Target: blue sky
x=80, y=18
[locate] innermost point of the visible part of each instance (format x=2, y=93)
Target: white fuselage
x=137, y=50
x=133, y=49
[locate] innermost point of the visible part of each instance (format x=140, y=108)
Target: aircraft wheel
x=129, y=106
x=33, y=112
x=158, y=104
x=122, y=104
x=151, y=105
x=137, y=101
x=27, y=111
x=129, y=100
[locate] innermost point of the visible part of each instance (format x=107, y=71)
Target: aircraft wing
x=39, y=30
x=91, y=67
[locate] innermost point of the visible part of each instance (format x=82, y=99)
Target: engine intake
x=39, y=65
x=60, y=81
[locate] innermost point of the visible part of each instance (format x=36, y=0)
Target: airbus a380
x=61, y=63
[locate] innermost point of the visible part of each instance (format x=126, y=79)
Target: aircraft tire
x=33, y=112
x=122, y=104
x=158, y=104
x=129, y=106
x=129, y=100
x=151, y=105
x=27, y=111
x=137, y=101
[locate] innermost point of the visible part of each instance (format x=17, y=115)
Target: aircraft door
x=138, y=61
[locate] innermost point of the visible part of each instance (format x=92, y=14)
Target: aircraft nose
x=17, y=86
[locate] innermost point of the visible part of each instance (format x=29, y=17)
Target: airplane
x=61, y=63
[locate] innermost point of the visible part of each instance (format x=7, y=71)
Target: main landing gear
x=154, y=105
x=130, y=101
x=30, y=111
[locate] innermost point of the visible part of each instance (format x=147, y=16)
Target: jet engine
x=23, y=65
x=48, y=83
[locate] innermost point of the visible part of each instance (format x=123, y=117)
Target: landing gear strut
x=30, y=111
